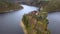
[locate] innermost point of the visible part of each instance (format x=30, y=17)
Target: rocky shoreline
x=36, y=23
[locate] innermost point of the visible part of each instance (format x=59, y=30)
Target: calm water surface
x=54, y=22
x=10, y=22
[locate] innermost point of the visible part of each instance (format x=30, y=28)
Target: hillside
x=7, y=6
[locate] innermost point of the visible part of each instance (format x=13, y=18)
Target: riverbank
x=52, y=6
x=8, y=7
x=23, y=27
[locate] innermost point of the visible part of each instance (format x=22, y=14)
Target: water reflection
x=10, y=22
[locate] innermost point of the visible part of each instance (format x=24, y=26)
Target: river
x=54, y=22
x=10, y=22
